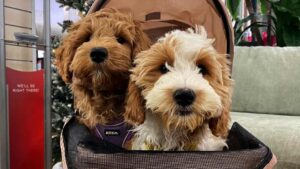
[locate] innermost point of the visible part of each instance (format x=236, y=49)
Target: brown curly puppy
x=94, y=59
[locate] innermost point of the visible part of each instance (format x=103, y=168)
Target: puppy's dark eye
x=202, y=69
x=87, y=38
x=121, y=40
x=133, y=64
x=163, y=69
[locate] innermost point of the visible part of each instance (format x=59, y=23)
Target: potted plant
x=276, y=18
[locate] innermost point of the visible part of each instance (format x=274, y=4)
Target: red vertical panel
x=26, y=119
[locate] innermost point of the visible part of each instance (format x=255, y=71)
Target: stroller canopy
x=161, y=16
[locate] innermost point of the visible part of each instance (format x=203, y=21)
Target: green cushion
x=281, y=133
x=267, y=80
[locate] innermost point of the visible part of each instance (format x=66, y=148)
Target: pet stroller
x=82, y=150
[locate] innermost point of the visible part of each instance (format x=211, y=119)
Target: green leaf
x=290, y=6
x=288, y=25
x=233, y=7
x=243, y=21
x=78, y=6
x=291, y=36
x=264, y=6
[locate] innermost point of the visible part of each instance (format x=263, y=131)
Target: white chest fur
x=153, y=134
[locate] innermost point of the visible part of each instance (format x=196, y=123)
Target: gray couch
x=266, y=99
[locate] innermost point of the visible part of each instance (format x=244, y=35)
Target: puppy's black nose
x=184, y=97
x=98, y=54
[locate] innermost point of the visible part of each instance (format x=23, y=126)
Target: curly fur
x=100, y=89
x=151, y=106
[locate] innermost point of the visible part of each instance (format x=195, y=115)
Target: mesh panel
x=84, y=151
x=248, y=159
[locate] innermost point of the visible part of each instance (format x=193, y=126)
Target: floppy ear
x=141, y=40
x=220, y=125
x=77, y=34
x=134, y=108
